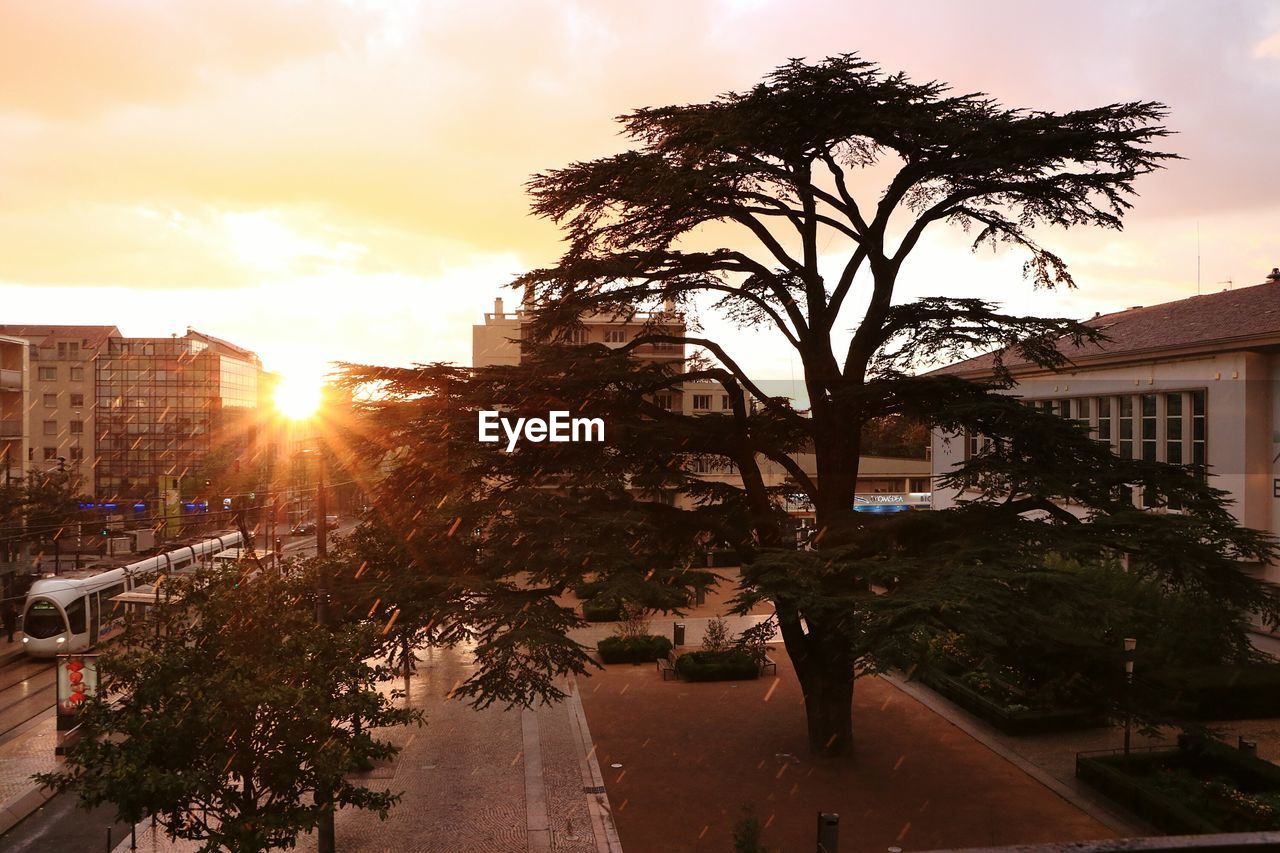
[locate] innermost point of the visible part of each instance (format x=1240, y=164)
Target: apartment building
x=121, y=412
x=883, y=482
x=61, y=422
x=14, y=390
x=1189, y=382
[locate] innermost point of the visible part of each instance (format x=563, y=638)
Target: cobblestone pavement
x=485, y=781
x=26, y=750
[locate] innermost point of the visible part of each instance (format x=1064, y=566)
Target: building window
x=577, y=336
x=615, y=336
x=68, y=349
x=664, y=401
x=31, y=454
x=1149, y=427
x=77, y=454
x=50, y=454
x=77, y=374
x=726, y=402
x=1173, y=428
x=702, y=402
x=1083, y=411
x=77, y=428
x=1126, y=427
x=1198, y=437
x=50, y=400
x=48, y=373
x=77, y=401
x=1104, y=419
x=50, y=427
x=919, y=484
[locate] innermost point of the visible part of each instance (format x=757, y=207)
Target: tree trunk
x=325, y=841
x=823, y=667
x=828, y=707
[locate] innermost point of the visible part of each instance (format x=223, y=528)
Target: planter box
x=1130, y=785
x=717, y=666
x=596, y=610
x=646, y=649
x=1010, y=722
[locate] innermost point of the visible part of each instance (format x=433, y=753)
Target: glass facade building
x=163, y=404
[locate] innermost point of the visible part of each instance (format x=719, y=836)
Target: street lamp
x=1130, y=643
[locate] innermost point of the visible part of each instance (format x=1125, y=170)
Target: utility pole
x=325, y=837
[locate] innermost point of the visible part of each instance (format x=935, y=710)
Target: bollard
x=108, y=838
x=828, y=832
x=700, y=597
x=677, y=636
x=1248, y=747
x=133, y=837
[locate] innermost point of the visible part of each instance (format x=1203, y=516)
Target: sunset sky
x=344, y=180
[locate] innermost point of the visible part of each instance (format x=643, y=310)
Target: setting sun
x=298, y=397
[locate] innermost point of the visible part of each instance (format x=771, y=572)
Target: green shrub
x=716, y=637
x=748, y=834
x=1227, y=692
x=1206, y=787
x=587, y=590
x=729, y=665
x=602, y=610
x=646, y=648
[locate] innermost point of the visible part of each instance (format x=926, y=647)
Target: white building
x=1191, y=381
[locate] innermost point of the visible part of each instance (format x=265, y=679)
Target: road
x=60, y=826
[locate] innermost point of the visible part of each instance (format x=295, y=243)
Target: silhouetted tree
x=752, y=206
x=740, y=207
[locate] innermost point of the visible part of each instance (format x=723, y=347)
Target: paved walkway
x=493, y=780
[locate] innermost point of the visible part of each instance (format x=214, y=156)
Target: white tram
x=74, y=612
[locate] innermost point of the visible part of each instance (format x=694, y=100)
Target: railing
x=10, y=429
x=11, y=379
x=1229, y=842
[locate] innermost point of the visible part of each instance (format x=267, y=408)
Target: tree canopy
x=222, y=709
x=753, y=207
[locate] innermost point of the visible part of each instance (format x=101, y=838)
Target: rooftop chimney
x=497, y=306
x=1274, y=275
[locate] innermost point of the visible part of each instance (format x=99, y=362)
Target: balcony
x=10, y=380
x=11, y=428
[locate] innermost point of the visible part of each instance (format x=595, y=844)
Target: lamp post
x=1130, y=643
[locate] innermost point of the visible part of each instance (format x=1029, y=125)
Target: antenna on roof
x=1228, y=282
x=1197, y=257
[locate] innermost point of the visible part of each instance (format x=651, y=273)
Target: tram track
x=27, y=691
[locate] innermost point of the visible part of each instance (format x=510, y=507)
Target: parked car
x=303, y=528
x=330, y=522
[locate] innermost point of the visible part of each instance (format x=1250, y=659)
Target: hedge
x=646, y=648
x=1227, y=692
x=1129, y=783
x=1010, y=722
x=607, y=610
x=730, y=665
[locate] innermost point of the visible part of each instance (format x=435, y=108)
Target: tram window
x=75, y=616
x=43, y=620
x=111, y=608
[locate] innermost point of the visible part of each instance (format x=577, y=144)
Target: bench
x=768, y=663
x=667, y=666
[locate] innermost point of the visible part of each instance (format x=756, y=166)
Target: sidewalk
x=492, y=780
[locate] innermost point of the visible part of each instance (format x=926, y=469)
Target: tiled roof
x=1214, y=320
x=92, y=336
